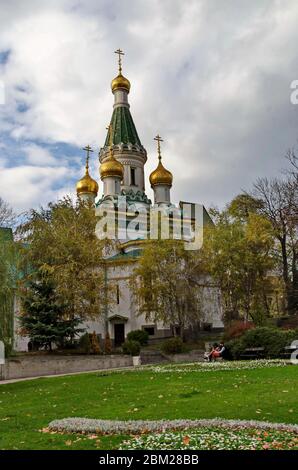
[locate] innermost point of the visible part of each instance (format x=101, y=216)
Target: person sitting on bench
x=216, y=352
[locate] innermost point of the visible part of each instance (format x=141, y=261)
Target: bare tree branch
x=7, y=216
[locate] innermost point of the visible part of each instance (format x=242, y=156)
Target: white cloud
x=27, y=186
x=37, y=155
x=211, y=77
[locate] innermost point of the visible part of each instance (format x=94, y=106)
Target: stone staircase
x=153, y=357
x=157, y=357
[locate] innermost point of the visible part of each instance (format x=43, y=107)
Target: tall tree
x=8, y=279
x=166, y=283
x=238, y=255
x=60, y=243
x=279, y=199
x=292, y=158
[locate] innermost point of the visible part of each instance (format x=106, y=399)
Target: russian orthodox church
x=122, y=162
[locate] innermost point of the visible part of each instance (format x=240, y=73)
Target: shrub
x=173, y=346
x=85, y=343
x=139, y=335
x=8, y=349
x=107, y=344
x=95, y=343
x=234, y=348
x=272, y=340
x=131, y=347
x=237, y=328
x=260, y=317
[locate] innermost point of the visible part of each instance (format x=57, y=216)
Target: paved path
x=11, y=381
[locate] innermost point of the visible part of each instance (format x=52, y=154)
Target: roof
x=124, y=256
x=123, y=128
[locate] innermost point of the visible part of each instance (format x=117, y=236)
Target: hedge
x=273, y=341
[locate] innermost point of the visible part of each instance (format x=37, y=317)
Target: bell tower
x=122, y=138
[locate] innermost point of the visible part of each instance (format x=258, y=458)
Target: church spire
x=120, y=82
x=123, y=138
x=124, y=130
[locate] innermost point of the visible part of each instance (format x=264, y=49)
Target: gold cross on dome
x=110, y=129
x=87, y=149
x=120, y=53
x=158, y=139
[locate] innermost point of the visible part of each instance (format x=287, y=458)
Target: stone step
x=153, y=357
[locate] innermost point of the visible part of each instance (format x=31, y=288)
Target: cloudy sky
x=212, y=77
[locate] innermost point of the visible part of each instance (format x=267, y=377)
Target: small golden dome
x=111, y=167
x=120, y=82
x=87, y=185
x=161, y=176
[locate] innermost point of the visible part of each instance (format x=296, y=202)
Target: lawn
x=268, y=394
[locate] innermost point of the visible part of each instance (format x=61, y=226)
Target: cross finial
x=158, y=139
x=110, y=129
x=87, y=149
x=120, y=53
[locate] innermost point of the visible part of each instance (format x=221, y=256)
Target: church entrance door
x=119, y=333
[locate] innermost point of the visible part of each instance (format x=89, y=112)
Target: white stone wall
x=37, y=366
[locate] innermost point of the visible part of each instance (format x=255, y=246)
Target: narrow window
x=118, y=294
x=132, y=176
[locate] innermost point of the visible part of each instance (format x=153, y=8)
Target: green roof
x=124, y=130
x=136, y=253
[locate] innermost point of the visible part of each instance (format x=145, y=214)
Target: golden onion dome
x=161, y=176
x=111, y=167
x=87, y=185
x=120, y=82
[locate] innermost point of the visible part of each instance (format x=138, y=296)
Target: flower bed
x=220, y=366
x=205, y=366
x=102, y=426
x=215, y=439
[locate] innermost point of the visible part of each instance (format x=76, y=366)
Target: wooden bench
x=253, y=353
x=258, y=353
x=288, y=350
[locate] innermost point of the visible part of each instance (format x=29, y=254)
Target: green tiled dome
x=124, y=130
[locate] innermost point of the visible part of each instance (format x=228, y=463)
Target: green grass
x=26, y=407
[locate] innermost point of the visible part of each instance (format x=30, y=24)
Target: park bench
x=258, y=353
x=253, y=353
x=287, y=351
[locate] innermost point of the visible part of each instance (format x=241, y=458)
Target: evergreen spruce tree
x=43, y=317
